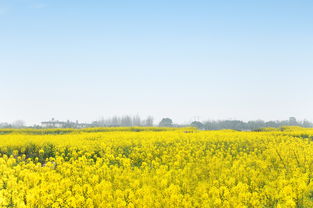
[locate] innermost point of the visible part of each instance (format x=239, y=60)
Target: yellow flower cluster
x=172, y=168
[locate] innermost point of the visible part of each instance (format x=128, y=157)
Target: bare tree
x=18, y=124
x=126, y=121
x=148, y=121
x=136, y=121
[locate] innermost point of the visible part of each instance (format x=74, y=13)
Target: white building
x=53, y=124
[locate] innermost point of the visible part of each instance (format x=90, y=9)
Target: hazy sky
x=79, y=59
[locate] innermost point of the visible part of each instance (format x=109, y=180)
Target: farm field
x=156, y=167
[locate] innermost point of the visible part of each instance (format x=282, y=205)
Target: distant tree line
x=249, y=125
x=128, y=121
x=16, y=124
x=117, y=121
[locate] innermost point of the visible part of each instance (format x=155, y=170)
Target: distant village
x=114, y=121
x=111, y=122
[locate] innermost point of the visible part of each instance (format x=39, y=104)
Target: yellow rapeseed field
x=138, y=167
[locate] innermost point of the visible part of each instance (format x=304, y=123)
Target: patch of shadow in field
x=94, y=138
x=32, y=151
x=303, y=136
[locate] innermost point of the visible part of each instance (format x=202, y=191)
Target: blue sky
x=81, y=60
